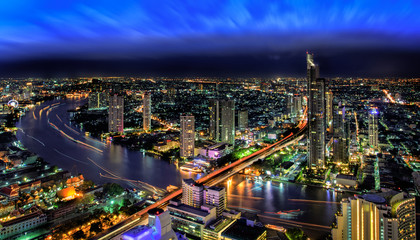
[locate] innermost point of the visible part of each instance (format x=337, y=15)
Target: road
x=210, y=179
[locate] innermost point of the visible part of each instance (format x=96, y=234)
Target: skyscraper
x=97, y=100
x=329, y=108
x=116, y=114
x=340, y=134
x=316, y=115
x=372, y=217
x=147, y=111
x=373, y=128
x=216, y=197
x=222, y=120
x=297, y=104
x=187, y=136
x=243, y=119
x=192, y=193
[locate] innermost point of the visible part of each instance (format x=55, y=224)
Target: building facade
x=222, y=120
x=147, y=111
x=187, y=136
x=316, y=115
x=116, y=114
x=243, y=119
x=216, y=197
x=373, y=128
x=340, y=134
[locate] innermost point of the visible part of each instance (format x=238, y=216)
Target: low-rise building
x=22, y=224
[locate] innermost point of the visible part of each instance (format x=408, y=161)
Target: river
x=47, y=132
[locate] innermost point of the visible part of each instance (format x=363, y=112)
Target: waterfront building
x=97, y=100
x=116, y=114
x=214, y=230
x=243, y=119
x=244, y=229
x=316, y=115
x=147, y=111
x=187, y=136
x=216, y=197
x=340, y=134
x=372, y=217
x=190, y=220
x=192, y=193
x=222, y=120
x=22, y=224
x=373, y=128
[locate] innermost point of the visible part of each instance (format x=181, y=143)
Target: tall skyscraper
x=116, y=114
x=187, y=136
x=222, y=120
x=329, y=108
x=216, y=197
x=192, y=193
x=373, y=128
x=147, y=111
x=297, y=104
x=316, y=115
x=340, y=134
x=243, y=119
x=98, y=100
x=372, y=217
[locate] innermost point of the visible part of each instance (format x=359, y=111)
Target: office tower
x=297, y=105
x=243, y=120
x=147, y=111
x=192, y=193
x=97, y=100
x=116, y=114
x=373, y=128
x=372, y=217
x=187, y=136
x=222, y=120
x=316, y=115
x=289, y=105
x=216, y=197
x=329, y=108
x=340, y=134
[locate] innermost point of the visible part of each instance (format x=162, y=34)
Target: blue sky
x=128, y=29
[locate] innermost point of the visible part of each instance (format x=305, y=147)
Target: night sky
x=50, y=38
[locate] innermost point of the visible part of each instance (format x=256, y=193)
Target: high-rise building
x=147, y=111
x=216, y=197
x=316, y=115
x=340, y=134
x=192, y=193
x=297, y=104
x=329, y=108
x=372, y=217
x=187, y=136
x=243, y=119
x=222, y=120
x=373, y=128
x=116, y=114
x=98, y=100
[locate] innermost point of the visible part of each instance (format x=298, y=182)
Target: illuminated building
x=147, y=111
x=373, y=128
x=190, y=220
x=187, y=136
x=159, y=227
x=316, y=115
x=369, y=217
x=97, y=100
x=192, y=193
x=297, y=105
x=116, y=114
x=329, y=108
x=22, y=224
x=243, y=119
x=222, y=120
x=340, y=134
x=216, y=197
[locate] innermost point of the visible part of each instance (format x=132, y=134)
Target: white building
x=187, y=136
x=147, y=111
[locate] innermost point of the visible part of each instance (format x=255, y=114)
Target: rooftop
x=189, y=209
x=240, y=230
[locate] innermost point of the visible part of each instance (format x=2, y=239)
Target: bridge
x=211, y=179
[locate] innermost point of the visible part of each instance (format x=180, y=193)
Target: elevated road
x=211, y=179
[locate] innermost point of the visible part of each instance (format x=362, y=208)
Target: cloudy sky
x=208, y=37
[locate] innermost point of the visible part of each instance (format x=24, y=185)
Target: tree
x=113, y=189
x=296, y=234
x=79, y=235
x=96, y=227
